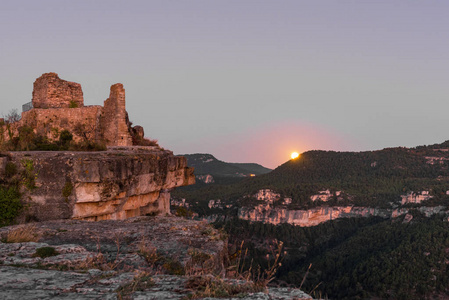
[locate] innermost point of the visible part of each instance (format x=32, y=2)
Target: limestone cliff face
x=269, y=212
x=312, y=217
x=114, y=184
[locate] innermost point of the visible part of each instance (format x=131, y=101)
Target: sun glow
x=294, y=155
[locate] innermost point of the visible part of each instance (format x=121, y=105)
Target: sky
x=244, y=80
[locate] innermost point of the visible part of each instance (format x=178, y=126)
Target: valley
x=369, y=224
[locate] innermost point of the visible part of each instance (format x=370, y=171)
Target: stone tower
x=114, y=118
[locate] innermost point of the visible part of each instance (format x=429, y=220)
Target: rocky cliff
x=311, y=217
x=115, y=184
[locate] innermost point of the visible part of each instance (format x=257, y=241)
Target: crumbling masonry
x=59, y=104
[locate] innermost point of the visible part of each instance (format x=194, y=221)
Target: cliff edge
x=116, y=184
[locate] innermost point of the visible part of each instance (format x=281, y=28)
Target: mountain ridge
x=207, y=164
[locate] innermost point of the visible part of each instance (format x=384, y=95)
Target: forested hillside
x=371, y=178
x=361, y=258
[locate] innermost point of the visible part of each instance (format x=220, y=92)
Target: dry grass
x=149, y=252
x=277, y=256
x=210, y=286
x=244, y=281
x=141, y=282
x=99, y=261
x=260, y=277
x=23, y=234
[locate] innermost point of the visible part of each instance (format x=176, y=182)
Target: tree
x=12, y=117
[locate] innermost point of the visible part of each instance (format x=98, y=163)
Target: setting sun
x=294, y=155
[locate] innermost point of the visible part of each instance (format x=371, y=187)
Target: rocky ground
x=139, y=258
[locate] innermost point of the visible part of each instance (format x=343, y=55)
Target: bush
x=65, y=137
x=183, y=212
x=88, y=146
x=67, y=190
x=10, y=169
x=173, y=267
x=44, y=252
x=73, y=104
x=29, y=177
x=10, y=205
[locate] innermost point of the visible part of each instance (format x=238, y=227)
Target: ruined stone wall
x=50, y=122
x=114, y=118
x=52, y=92
x=114, y=184
x=52, y=112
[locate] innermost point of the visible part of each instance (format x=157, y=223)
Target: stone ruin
x=52, y=92
x=59, y=104
x=122, y=182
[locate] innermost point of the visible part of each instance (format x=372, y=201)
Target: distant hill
x=370, y=178
x=207, y=164
x=373, y=178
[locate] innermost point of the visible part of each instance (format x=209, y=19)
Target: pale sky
x=246, y=81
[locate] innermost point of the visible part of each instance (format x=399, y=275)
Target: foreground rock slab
x=139, y=258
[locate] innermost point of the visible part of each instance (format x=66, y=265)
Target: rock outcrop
x=116, y=184
x=413, y=197
x=205, y=178
x=140, y=258
x=326, y=195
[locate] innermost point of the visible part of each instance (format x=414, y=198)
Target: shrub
x=65, y=137
x=44, y=252
x=73, y=104
x=183, y=212
x=173, y=267
x=88, y=146
x=28, y=174
x=10, y=169
x=67, y=190
x=148, y=142
x=148, y=252
x=12, y=117
x=10, y=205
